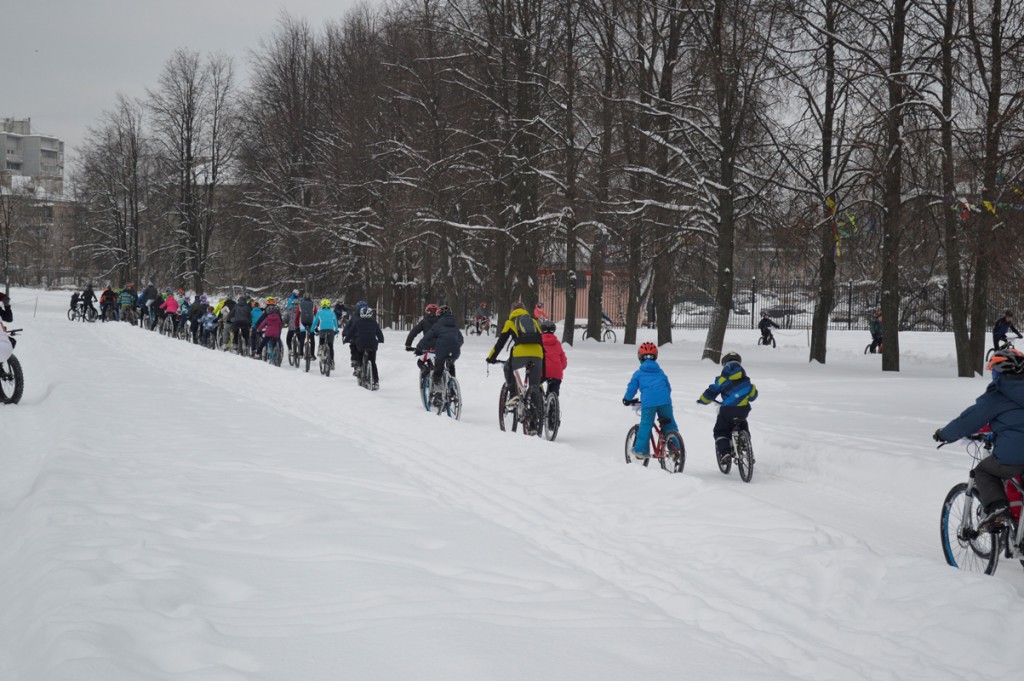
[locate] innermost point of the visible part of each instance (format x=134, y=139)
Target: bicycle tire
x=72, y=314
x=743, y=452
x=327, y=365
x=674, y=460
x=367, y=373
x=307, y=354
x=552, y=417
x=12, y=381
x=90, y=314
x=533, y=416
x=453, y=405
x=978, y=554
x=507, y=418
x=631, y=444
x=425, y=389
x=608, y=336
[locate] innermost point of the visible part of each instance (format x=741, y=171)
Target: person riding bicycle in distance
x=446, y=341
x=655, y=398
x=1001, y=406
x=737, y=392
x=1002, y=326
x=766, y=325
x=524, y=332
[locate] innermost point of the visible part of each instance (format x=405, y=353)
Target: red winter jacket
x=555, y=360
x=271, y=323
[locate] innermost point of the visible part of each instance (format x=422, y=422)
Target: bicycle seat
x=739, y=421
x=662, y=422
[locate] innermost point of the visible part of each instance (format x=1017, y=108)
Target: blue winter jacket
x=652, y=383
x=1002, y=407
x=444, y=336
x=325, y=320
x=733, y=385
x=255, y=315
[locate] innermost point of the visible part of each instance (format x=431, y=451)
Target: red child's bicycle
x=666, y=445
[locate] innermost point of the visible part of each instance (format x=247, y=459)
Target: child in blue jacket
x=656, y=398
x=737, y=392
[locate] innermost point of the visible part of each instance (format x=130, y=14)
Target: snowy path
x=169, y=512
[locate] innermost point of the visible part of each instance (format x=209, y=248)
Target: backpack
x=526, y=330
x=306, y=312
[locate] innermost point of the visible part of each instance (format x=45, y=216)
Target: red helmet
x=430, y=309
x=647, y=351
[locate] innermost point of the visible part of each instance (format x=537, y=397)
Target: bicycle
x=552, y=416
x=449, y=401
x=869, y=351
x=167, y=325
x=767, y=340
x=964, y=544
x=364, y=374
x=12, y=379
x=529, y=411
x=272, y=352
x=81, y=313
x=307, y=348
x=742, y=451
x=479, y=326
x=128, y=315
x=607, y=333
x=1005, y=345
x=294, y=351
x=666, y=445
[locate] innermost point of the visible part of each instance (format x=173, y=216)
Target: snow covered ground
x=170, y=512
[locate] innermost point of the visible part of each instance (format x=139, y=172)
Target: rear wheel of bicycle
x=533, y=416
x=508, y=419
x=307, y=354
x=967, y=549
x=552, y=416
x=631, y=445
x=453, y=405
x=90, y=314
x=675, y=452
x=743, y=453
x=12, y=381
x=367, y=374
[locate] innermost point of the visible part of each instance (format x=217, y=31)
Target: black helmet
x=442, y=310
x=731, y=357
x=1008, y=313
x=763, y=313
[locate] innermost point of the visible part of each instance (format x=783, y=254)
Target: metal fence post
x=943, y=308
x=849, y=305
x=753, y=295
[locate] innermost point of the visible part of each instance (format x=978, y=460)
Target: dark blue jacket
x=444, y=336
x=652, y=383
x=1002, y=327
x=1002, y=407
x=364, y=332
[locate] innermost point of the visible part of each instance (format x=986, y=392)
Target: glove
x=491, y=360
x=699, y=402
x=626, y=402
x=938, y=436
x=410, y=348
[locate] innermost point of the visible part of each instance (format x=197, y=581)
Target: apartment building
x=32, y=155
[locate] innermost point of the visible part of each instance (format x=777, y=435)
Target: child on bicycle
x=1002, y=407
x=555, y=360
x=366, y=336
x=875, y=328
x=271, y=323
x=1001, y=329
x=766, y=325
x=736, y=392
x=209, y=324
x=655, y=398
x=325, y=323
x=445, y=339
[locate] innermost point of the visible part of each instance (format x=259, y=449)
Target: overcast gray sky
x=64, y=61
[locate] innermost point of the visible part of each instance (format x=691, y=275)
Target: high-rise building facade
x=32, y=155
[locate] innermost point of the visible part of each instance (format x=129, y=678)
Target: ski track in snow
x=169, y=512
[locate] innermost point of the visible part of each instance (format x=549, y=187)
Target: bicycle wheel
x=90, y=314
x=454, y=403
x=773, y=341
x=367, y=374
x=533, y=417
x=552, y=416
x=988, y=355
x=425, y=389
x=508, y=418
x=293, y=353
x=966, y=548
x=471, y=330
x=72, y=314
x=307, y=354
x=585, y=335
x=12, y=381
x=327, y=364
x=608, y=336
x=675, y=452
x=631, y=444
x=743, y=452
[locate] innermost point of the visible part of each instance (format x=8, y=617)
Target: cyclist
x=1002, y=407
x=75, y=298
x=555, y=360
x=1002, y=326
x=424, y=325
x=88, y=297
x=326, y=324
x=446, y=340
x=148, y=302
x=196, y=316
x=875, y=327
x=270, y=322
x=347, y=334
x=341, y=312
x=365, y=335
x=126, y=300
x=655, y=398
x=482, y=316
x=170, y=306
x=526, y=349
x=241, y=321
x=209, y=324
x=107, y=300
x=736, y=392
x=305, y=313
x=5, y=311
x=538, y=311
x=255, y=315
x=766, y=325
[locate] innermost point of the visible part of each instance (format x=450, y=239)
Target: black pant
x=302, y=341
x=723, y=426
x=328, y=337
x=554, y=385
x=876, y=341
x=988, y=480
x=371, y=356
x=240, y=333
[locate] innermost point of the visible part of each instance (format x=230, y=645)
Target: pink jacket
x=555, y=360
x=272, y=323
x=170, y=305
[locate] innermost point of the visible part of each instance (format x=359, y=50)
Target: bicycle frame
x=657, y=441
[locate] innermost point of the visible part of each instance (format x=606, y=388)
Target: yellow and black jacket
x=524, y=331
